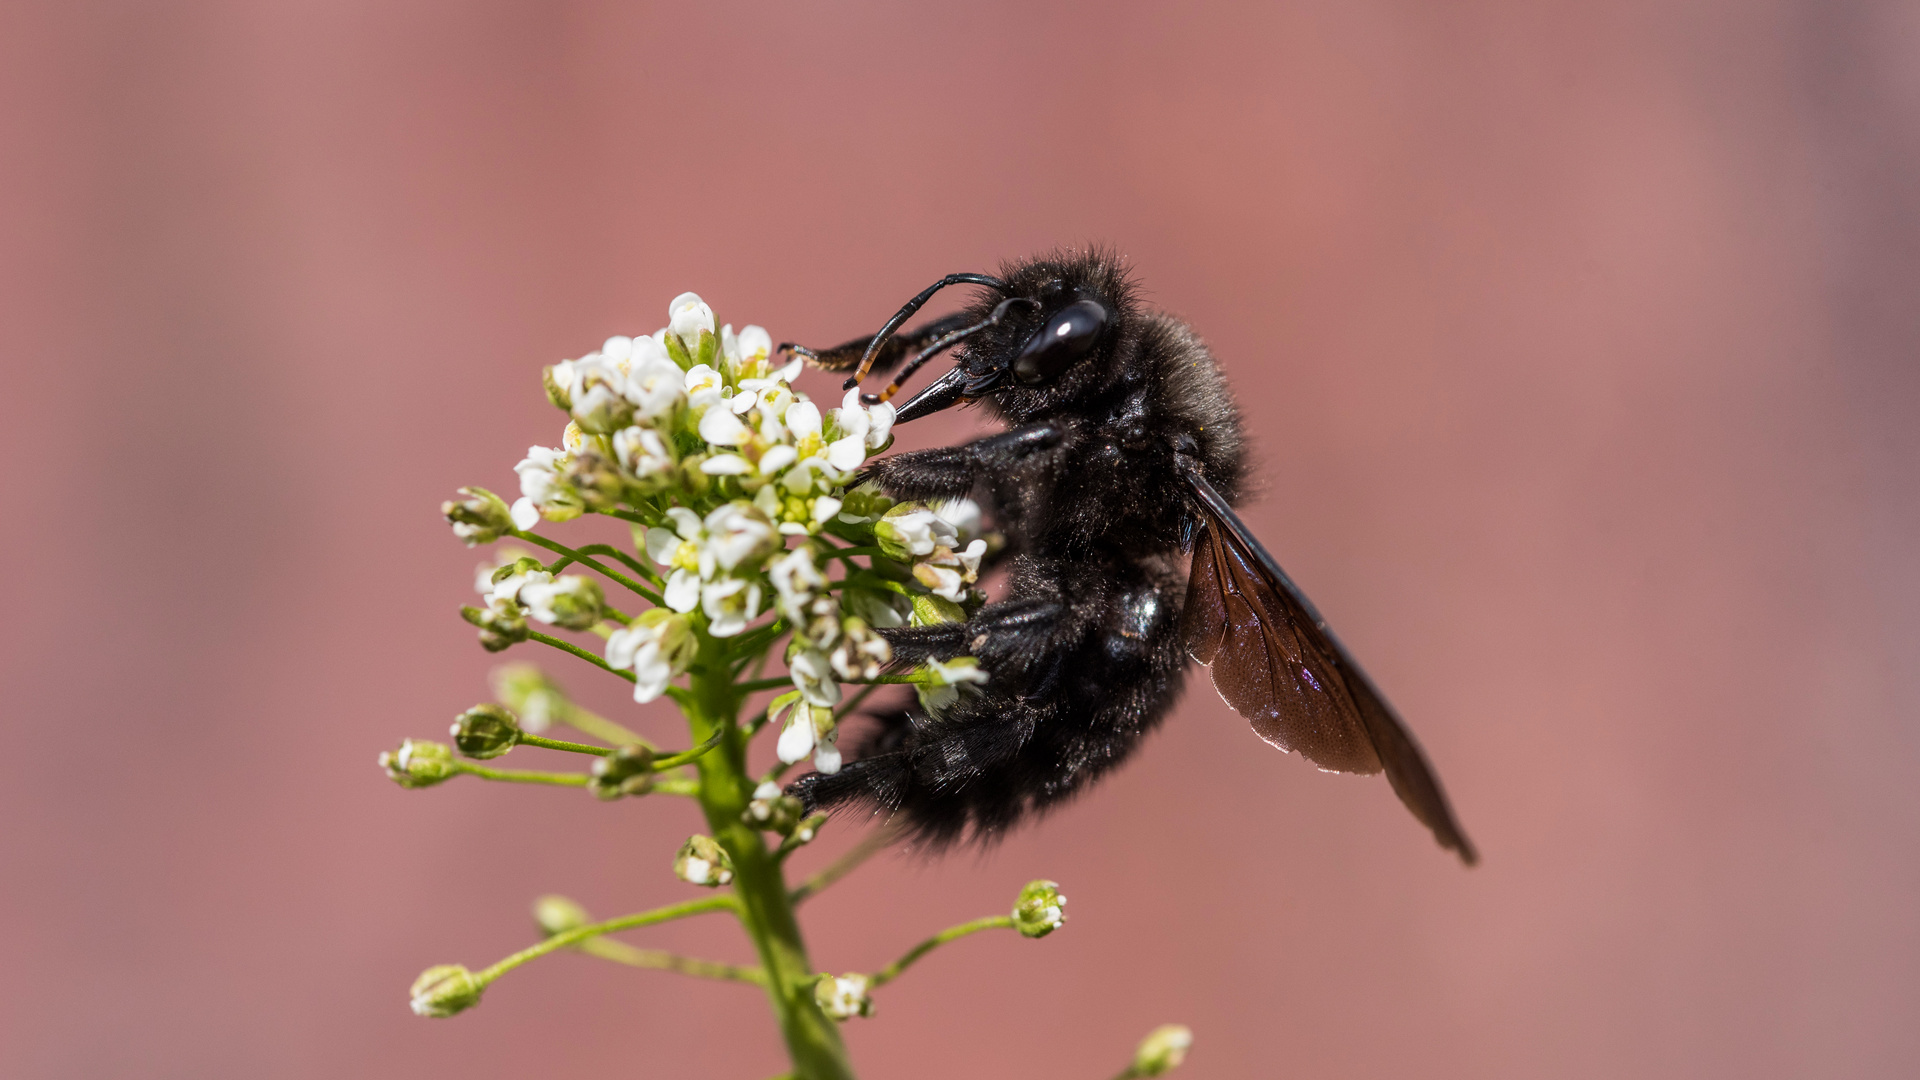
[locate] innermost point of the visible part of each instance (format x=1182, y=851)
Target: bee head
x=1046, y=336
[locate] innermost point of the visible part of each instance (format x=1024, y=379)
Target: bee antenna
x=941, y=345
x=906, y=312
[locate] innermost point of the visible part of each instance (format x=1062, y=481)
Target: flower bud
x=570, y=601
x=702, y=861
x=691, y=321
x=935, y=610
x=1162, y=1051
x=501, y=624
x=557, y=915
x=1040, y=910
x=485, y=731
x=773, y=810
x=419, y=763
x=656, y=646
x=626, y=771
x=480, y=518
x=557, y=391
x=843, y=997
x=444, y=990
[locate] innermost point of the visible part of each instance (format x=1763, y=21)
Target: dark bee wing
x=1278, y=664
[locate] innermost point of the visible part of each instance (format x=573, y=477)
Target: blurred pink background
x=1579, y=343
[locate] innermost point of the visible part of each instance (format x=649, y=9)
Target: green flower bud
x=480, y=518
x=501, y=625
x=844, y=997
x=773, y=810
x=444, y=990
x=555, y=392
x=1040, y=910
x=525, y=564
x=536, y=699
x=931, y=610
x=910, y=529
x=485, y=731
x=702, y=861
x=626, y=771
x=1162, y=1051
x=557, y=915
x=419, y=763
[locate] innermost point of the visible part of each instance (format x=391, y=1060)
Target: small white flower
x=844, y=997
x=912, y=530
x=540, y=473
x=948, y=573
x=687, y=317
x=704, y=387
x=795, y=581
x=812, y=675
x=656, y=384
x=730, y=604
x=737, y=533
x=656, y=647
x=644, y=451
x=507, y=589
x=722, y=428
x=571, y=601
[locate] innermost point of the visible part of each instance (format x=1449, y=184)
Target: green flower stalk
x=730, y=540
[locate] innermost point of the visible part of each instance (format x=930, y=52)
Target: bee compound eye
x=1065, y=338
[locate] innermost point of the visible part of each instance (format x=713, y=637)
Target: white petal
x=847, y=454
x=776, y=459
x=803, y=419
x=796, y=739
x=755, y=341
x=882, y=415
x=722, y=428
x=826, y=758
x=685, y=522
x=661, y=544
x=726, y=465
x=825, y=507
x=524, y=514
x=683, y=591
x=618, y=347
x=742, y=401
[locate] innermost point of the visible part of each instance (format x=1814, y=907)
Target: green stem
x=582, y=933
x=544, y=743
x=570, y=647
x=587, y=560
x=523, y=776
x=952, y=933
x=684, y=756
x=622, y=953
x=813, y=1041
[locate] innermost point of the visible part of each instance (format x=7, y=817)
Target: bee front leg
x=948, y=472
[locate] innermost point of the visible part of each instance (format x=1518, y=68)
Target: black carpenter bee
x=1123, y=452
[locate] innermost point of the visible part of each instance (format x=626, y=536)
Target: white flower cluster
x=729, y=477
